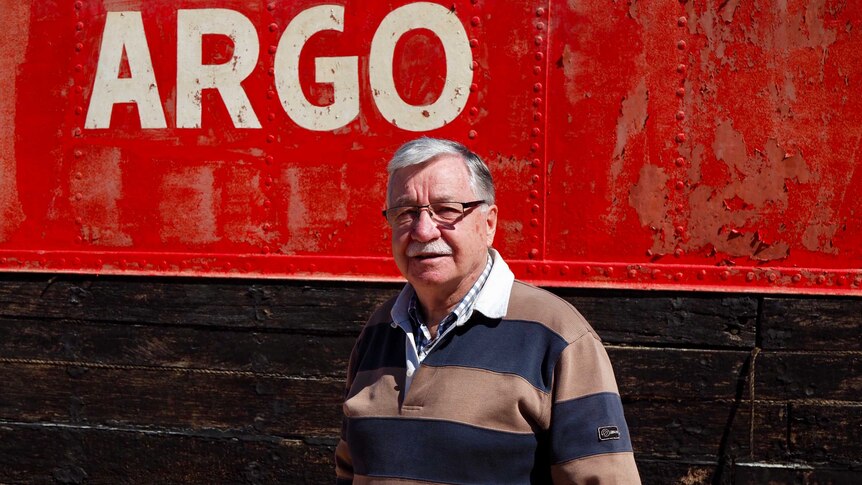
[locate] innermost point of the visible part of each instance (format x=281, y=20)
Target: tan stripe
x=535, y=304
x=607, y=469
x=375, y=392
x=478, y=397
x=583, y=369
x=343, y=464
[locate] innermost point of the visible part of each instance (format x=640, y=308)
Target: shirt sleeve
x=589, y=438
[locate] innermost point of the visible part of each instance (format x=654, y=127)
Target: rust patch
x=726, y=218
x=649, y=197
x=632, y=120
x=15, y=32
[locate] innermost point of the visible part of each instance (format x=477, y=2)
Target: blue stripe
x=524, y=348
x=381, y=346
x=439, y=451
x=575, y=427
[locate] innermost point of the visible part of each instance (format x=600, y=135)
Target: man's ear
x=491, y=224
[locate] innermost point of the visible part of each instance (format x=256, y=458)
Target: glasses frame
x=465, y=206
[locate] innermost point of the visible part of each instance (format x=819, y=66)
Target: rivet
x=821, y=279
x=679, y=229
x=534, y=147
x=680, y=92
x=266, y=250
x=680, y=185
x=587, y=270
x=79, y=26
x=266, y=227
x=842, y=280
x=564, y=270
x=474, y=87
x=2, y=260
x=540, y=26
x=540, y=11
x=680, y=162
x=725, y=275
x=680, y=115
x=472, y=134
x=269, y=159
x=680, y=45
x=537, y=116
x=535, y=208
x=273, y=49
x=534, y=222
x=474, y=2
x=270, y=138
x=270, y=116
x=749, y=276
x=474, y=111
x=79, y=67
x=79, y=175
x=535, y=178
x=273, y=27
x=537, y=70
x=536, y=162
x=679, y=207
x=534, y=253
x=534, y=194
x=270, y=94
x=76, y=132
x=538, y=40
x=772, y=277
x=546, y=269
x=79, y=240
x=682, y=21
x=797, y=278
x=267, y=203
x=475, y=21
x=271, y=71
x=539, y=56
x=268, y=182
x=474, y=65
x=678, y=252
x=648, y=253
x=270, y=6
x=537, y=87
x=537, y=101
x=99, y=262
x=78, y=89
x=536, y=131
x=78, y=5
x=79, y=110
x=79, y=221
x=474, y=43
x=79, y=47
x=656, y=273
x=701, y=274
x=228, y=266
x=680, y=137
x=677, y=276
x=680, y=68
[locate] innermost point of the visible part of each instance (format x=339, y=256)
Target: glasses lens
x=401, y=216
x=447, y=211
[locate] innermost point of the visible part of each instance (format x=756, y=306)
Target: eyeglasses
x=440, y=212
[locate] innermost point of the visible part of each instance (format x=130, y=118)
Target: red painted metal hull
x=705, y=145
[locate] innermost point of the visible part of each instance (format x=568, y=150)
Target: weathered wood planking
x=117, y=380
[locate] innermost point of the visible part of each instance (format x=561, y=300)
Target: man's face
x=420, y=250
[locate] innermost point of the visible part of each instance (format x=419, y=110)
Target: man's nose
x=424, y=228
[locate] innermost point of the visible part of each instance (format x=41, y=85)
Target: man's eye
x=447, y=210
x=407, y=215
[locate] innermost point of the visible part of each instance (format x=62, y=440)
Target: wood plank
x=174, y=346
x=826, y=433
x=671, y=471
x=329, y=307
x=667, y=319
x=794, y=473
x=35, y=453
x=647, y=373
x=171, y=399
x=809, y=375
x=826, y=324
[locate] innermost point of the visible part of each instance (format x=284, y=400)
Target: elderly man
x=469, y=376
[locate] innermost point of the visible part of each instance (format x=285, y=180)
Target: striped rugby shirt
x=523, y=392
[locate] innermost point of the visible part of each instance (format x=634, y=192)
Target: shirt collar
x=492, y=299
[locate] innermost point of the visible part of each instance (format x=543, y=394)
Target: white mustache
x=436, y=247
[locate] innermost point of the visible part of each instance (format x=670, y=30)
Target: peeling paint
x=15, y=32
x=632, y=119
x=188, y=205
x=99, y=180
